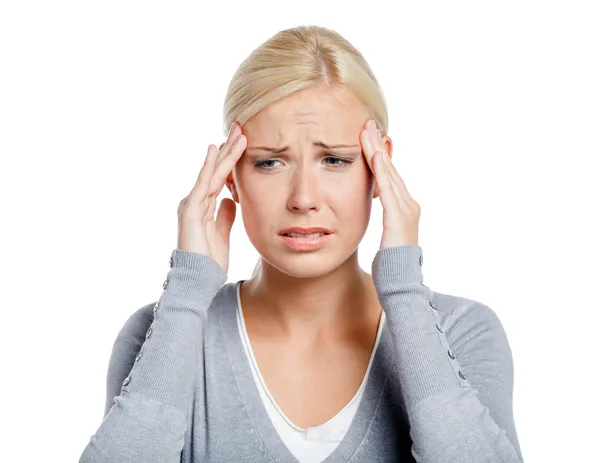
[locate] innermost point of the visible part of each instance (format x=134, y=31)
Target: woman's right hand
x=198, y=230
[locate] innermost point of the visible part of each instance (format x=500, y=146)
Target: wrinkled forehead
x=331, y=115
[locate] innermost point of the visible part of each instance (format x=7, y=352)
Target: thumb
x=225, y=218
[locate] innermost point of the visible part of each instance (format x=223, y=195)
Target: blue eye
x=261, y=164
x=342, y=163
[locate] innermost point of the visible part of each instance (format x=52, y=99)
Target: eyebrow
x=320, y=144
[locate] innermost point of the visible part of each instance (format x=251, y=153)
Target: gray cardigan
x=180, y=387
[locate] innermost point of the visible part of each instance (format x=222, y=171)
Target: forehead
x=330, y=112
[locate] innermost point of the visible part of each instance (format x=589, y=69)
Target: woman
x=312, y=359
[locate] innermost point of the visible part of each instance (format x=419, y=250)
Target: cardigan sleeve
x=153, y=367
x=457, y=383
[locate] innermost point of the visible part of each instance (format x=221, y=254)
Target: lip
x=306, y=244
x=305, y=231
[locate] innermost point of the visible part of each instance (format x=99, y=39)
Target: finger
x=211, y=205
x=378, y=144
x=226, y=164
x=206, y=172
x=385, y=169
x=398, y=184
x=371, y=140
x=221, y=152
x=386, y=195
x=393, y=175
x=234, y=132
x=368, y=148
x=225, y=218
x=400, y=187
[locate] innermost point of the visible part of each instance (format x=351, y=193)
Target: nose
x=305, y=190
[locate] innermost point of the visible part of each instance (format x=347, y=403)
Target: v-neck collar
x=256, y=410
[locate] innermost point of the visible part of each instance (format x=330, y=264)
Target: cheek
x=249, y=186
x=258, y=205
x=351, y=196
x=356, y=185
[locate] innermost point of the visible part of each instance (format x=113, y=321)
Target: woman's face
x=307, y=185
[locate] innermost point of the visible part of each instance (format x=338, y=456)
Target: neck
x=311, y=309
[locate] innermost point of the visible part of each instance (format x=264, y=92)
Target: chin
x=304, y=266
x=307, y=263
x=313, y=264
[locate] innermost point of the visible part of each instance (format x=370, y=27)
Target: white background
x=106, y=111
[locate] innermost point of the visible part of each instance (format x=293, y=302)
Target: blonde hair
x=296, y=59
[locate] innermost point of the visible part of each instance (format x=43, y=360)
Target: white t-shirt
x=314, y=444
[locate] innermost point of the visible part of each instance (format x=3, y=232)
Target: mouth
x=306, y=242
x=305, y=236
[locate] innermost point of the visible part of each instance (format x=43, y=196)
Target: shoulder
x=461, y=312
x=130, y=339
x=137, y=323
x=468, y=323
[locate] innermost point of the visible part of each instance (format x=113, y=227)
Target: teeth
x=299, y=235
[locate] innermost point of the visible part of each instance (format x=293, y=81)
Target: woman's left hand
x=401, y=212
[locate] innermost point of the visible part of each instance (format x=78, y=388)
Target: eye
x=342, y=163
x=262, y=164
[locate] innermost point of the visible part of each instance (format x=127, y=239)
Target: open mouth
x=309, y=242
x=300, y=235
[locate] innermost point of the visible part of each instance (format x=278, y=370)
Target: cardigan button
x=155, y=308
x=432, y=306
x=171, y=261
x=451, y=354
x=149, y=332
x=138, y=356
x=438, y=327
x=461, y=374
x=166, y=282
x=127, y=380
x=421, y=260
